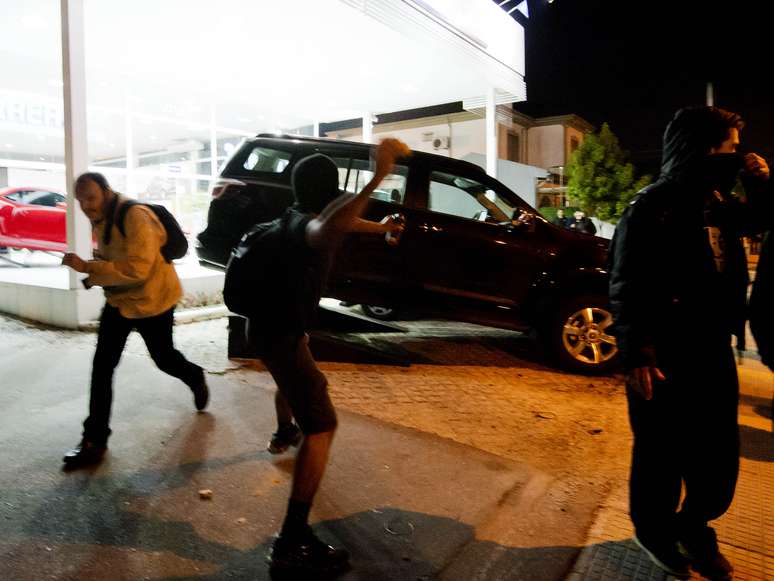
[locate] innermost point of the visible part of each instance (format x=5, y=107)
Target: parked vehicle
x=472, y=250
x=33, y=218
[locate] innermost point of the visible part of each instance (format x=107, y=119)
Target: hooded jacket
x=762, y=302
x=668, y=283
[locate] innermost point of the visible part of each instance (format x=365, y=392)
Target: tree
x=601, y=180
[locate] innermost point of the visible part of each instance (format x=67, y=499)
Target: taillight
x=218, y=190
x=220, y=187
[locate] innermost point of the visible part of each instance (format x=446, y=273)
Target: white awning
x=265, y=65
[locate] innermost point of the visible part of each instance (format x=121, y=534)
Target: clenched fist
x=388, y=151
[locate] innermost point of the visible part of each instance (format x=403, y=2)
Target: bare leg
x=284, y=414
x=310, y=465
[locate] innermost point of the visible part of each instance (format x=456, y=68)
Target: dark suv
x=472, y=250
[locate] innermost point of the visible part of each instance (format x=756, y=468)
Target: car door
x=367, y=269
x=39, y=221
x=16, y=218
x=478, y=242
x=7, y=205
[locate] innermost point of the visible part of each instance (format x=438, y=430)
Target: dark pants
x=114, y=329
x=299, y=380
x=687, y=434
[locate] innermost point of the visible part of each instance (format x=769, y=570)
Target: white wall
x=36, y=178
x=520, y=178
x=468, y=142
x=604, y=229
x=466, y=137
x=546, y=146
x=52, y=306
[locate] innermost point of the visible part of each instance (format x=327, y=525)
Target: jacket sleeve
x=755, y=213
x=761, y=307
x=144, y=239
x=632, y=273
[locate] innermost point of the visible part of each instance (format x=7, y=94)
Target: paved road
x=477, y=462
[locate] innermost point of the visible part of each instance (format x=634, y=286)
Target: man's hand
x=388, y=151
x=74, y=261
x=755, y=165
x=640, y=379
x=393, y=229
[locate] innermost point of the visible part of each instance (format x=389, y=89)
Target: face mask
x=722, y=170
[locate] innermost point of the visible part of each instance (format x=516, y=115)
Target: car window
x=354, y=174
x=467, y=198
x=265, y=159
x=19, y=196
x=43, y=198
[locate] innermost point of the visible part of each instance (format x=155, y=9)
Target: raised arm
x=341, y=216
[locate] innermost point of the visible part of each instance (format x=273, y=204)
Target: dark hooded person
x=762, y=302
x=313, y=229
x=678, y=284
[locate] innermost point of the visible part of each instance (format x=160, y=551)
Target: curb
x=181, y=317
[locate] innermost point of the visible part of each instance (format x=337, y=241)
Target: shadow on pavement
x=87, y=517
x=760, y=405
x=391, y=544
x=756, y=444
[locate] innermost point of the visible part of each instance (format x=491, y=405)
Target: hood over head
x=315, y=182
x=688, y=139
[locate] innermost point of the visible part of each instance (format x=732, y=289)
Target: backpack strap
x=121, y=215
x=110, y=219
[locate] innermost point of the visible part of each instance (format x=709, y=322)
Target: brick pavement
x=478, y=393
x=745, y=532
x=494, y=393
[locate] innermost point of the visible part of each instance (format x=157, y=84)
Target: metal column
x=491, y=133
x=76, y=144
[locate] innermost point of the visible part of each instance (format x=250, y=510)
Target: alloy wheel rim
x=585, y=336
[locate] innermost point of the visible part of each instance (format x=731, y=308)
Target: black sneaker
x=201, y=393
x=284, y=438
x=701, y=548
x=306, y=554
x=666, y=556
x=84, y=454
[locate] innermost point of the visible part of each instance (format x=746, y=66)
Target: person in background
x=561, y=220
x=582, y=224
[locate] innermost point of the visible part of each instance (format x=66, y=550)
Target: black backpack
x=176, y=245
x=253, y=282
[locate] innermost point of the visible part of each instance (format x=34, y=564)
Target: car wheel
x=580, y=337
x=381, y=313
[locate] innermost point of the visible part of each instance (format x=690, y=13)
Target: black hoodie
x=667, y=288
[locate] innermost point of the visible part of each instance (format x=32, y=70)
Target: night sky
x=633, y=64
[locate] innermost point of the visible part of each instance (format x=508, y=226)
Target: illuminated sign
x=23, y=111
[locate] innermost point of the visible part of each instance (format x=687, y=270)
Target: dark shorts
x=298, y=378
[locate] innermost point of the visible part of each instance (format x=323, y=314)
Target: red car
x=33, y=218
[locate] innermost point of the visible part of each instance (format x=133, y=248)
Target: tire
x=381, y=313
x=578, y=336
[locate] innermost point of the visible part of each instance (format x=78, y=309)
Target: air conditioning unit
x=441, y=143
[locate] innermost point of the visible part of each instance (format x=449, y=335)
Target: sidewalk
x=745, y=532
x=408, y=505
x=477, y=463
